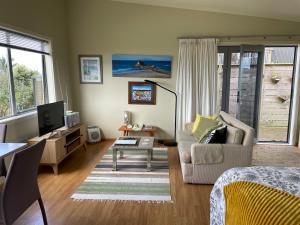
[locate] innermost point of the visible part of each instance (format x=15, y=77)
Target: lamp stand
x=171, y=142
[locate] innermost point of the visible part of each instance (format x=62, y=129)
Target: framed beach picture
x=141, y=93
x=90, y=69
x=147, y=66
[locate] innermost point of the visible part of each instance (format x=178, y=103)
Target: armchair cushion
x=206, y=153
x=203, y=126
x=234, y=135
x=218, y=136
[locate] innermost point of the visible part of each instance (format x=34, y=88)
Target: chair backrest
x=21, y=187
x=3, y=128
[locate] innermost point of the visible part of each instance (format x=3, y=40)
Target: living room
x=105, y=28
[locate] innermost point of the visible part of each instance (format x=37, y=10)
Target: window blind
x=17, y=40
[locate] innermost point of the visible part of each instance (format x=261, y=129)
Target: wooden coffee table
x=144, y=144
x=126, y=130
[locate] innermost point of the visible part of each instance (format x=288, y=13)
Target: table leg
x=121, y=154
x=114, y=160
x=124, y=133
x=149, y=160
x=55, y=169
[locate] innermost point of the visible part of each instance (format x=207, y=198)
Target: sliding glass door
x=242, y=68
x=277, y=94
x=246, y=94
x=249, y=83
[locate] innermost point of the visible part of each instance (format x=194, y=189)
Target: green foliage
x=23, y=83
x=4, y=88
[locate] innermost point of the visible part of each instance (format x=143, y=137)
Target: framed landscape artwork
x=90, y=67
x=147, y=66
x=141, y=93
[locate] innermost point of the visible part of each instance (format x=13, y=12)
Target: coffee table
x=144, y=144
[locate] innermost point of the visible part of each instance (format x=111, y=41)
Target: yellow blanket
x=249, y=203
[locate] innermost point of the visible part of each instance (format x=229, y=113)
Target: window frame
x=12, y=97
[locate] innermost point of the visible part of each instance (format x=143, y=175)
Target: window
x=23, y=80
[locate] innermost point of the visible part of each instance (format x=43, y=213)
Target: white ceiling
x=275, y=9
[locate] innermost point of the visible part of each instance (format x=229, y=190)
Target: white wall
x=104, y=27
x=45, y=18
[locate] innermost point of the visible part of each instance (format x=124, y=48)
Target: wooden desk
x=126, y=130
x=10, y=148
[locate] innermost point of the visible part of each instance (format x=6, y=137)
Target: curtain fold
x=196, y=79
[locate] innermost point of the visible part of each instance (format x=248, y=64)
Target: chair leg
x=3, y=170
x=43, y=211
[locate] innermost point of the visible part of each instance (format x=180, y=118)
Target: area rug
x=131, y=182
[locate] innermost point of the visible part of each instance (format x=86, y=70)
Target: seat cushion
x=234, y=135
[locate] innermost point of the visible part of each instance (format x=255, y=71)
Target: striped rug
x=131, y=182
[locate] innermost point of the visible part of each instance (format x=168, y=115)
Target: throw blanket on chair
x=250, y=203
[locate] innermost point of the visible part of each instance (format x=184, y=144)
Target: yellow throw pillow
x=205, y=125
x=198, y=119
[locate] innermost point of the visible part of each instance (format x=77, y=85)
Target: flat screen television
x=50, y=117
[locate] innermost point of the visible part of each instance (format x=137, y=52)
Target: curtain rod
x=289, y=36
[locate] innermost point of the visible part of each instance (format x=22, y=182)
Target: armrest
x=188, y=128
x=207, y=153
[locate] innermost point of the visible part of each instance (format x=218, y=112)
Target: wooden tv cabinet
x=58, y=147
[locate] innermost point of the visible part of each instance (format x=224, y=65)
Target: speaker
x=72, y=119
x=94, y=134
x=127, y=118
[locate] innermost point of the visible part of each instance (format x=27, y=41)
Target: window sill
x=18, y=118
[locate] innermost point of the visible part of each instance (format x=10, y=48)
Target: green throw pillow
x=204, y=128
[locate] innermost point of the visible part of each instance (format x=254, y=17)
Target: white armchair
x=204, y=163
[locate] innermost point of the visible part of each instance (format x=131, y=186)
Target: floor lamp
x=173, y=141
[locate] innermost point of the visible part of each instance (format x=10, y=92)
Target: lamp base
x=170, y=142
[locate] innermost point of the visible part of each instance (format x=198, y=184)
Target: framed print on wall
x=141, y=93
x=90, y=69
x=147, y=66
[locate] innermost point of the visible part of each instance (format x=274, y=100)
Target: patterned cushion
x=217, y=136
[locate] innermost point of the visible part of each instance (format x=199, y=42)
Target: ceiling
x=275, y=9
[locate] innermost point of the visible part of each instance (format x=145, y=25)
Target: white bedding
x=283, y=178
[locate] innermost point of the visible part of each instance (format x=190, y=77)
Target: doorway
x=255, y=86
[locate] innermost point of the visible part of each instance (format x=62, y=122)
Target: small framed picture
x=141, y=93
x=90, y=68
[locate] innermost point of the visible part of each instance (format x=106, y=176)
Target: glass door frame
x=288, y=138
x=227, y=51
x=258, y=82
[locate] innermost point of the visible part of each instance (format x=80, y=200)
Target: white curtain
x=196, y=79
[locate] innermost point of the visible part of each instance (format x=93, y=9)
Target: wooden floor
x=191, y=202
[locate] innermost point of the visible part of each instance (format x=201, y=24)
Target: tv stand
x=60, y=145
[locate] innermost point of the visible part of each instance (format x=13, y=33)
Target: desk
x=126, y=130
x=10, y=148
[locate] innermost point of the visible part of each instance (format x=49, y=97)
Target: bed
x=282, y=178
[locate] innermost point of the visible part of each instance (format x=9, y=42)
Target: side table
x=126, y=130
